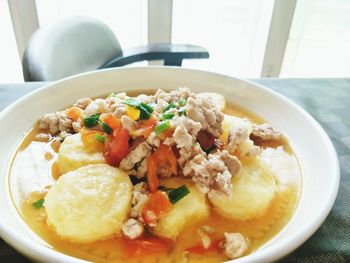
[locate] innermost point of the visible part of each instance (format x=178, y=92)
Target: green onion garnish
x=39, y=203
x=100, y=138
x=182, y=102
x=91, y=121
x=131, y=102
x=167, y=116
x=148, y=107
x=161, y=127
x=144, y=113
x=170, y=105
x=145, y=109
x=106, y=128
x=178, y=193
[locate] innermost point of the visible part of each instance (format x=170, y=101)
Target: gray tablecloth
x=328, y=101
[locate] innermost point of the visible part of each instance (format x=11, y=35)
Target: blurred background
x=245, y=38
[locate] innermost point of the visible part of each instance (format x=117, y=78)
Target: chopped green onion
x=182, y=102
x=178, y=193
x=181, y=112
x=39, y=203
x=170, y=105
x=100, y=138
x=91, y=121
x=167, y=116
x=106, y=128
x=144, y=113
x=131, y=102
x=161, y=127
x=148, y=107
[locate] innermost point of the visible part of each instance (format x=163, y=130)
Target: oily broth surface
x=33, y=168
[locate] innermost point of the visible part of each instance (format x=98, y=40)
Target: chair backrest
x=72, y=46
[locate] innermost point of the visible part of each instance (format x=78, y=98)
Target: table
x=328, y=101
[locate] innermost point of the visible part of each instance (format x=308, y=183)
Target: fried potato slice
x=217, y=98
x=190, y=209
x=73, y=154
x=90, y=203
x=252, y=192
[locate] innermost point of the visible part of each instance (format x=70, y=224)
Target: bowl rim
x=282, y=248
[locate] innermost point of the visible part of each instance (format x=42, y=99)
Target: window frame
x=25, y=21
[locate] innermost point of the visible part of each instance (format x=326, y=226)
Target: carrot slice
x=111, y=120
x=152, y=178
x=90, y=143
x=75, y=113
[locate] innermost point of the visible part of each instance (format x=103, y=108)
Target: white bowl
x=319, y=163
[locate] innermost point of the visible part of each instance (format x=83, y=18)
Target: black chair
x=83, y=44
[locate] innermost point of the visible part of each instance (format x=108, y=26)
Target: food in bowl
x=169, y=176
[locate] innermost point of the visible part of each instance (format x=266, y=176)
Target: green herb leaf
x=163, y=126
x=148, y=107
x=170, y=105
x=167, y=116
x=100, y=138
x=182, y=102
x=91, y=121
x=106, y=128
x=39, y=203
x=178, y=193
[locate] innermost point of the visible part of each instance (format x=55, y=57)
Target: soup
x=170, y=177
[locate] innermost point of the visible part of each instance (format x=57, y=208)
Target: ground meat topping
x=132, y=228
x=266, y=132
x=56, y=122
x=185, y=132
x=206, y=113
x=83, y=103
x=139, y=197
x=236, y=136
x=128, y=123
x=97, y=106
x=235, y=245
x=213, y=173
x=142, y=151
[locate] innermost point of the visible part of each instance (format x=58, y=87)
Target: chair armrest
x=172, y=54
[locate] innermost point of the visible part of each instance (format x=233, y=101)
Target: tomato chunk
x=117, y=146
x=156, y=205
x=163, y=157
x=145, y=246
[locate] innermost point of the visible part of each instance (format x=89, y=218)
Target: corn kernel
x=132, y=112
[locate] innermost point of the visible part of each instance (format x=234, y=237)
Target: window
x=318, y=44
x=10, y=64
x=234, y=32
